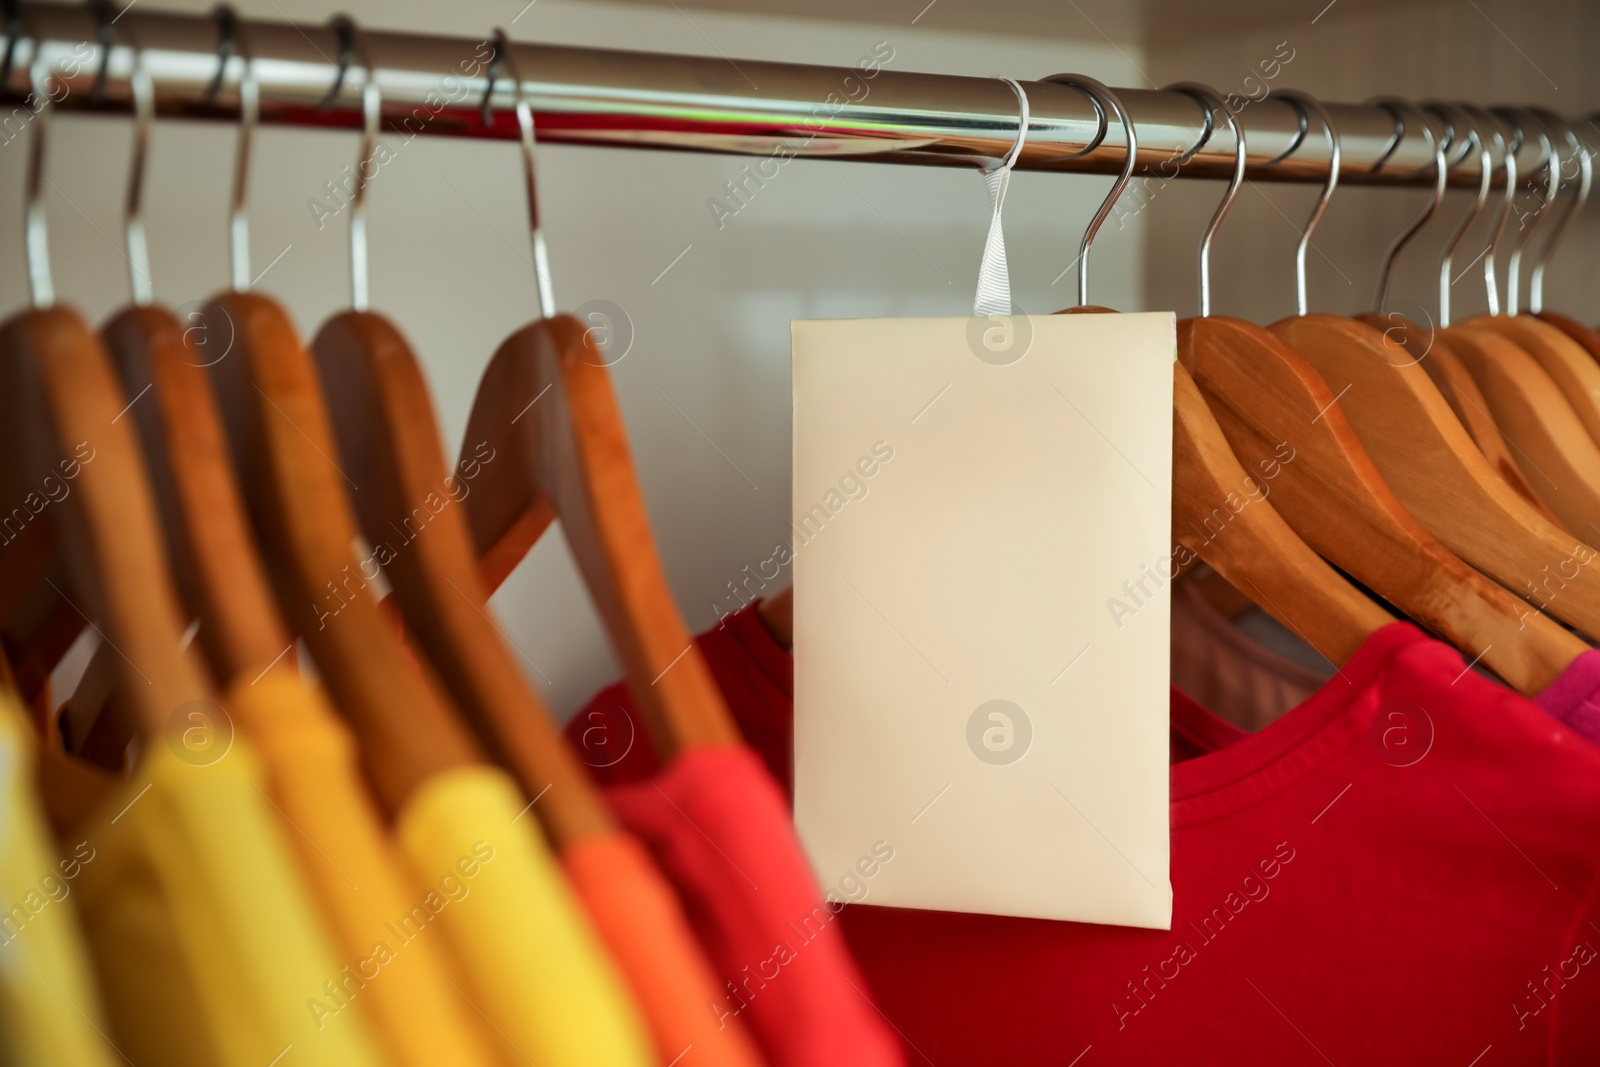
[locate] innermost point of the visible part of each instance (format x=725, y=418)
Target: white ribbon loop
x=994, y=280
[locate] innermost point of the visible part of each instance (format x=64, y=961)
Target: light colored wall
x=705, y=390
x=1486, y=51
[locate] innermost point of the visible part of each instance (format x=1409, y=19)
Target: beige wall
x=705, y=390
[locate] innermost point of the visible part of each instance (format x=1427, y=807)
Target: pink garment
x=719, y=829
x=1574, y=698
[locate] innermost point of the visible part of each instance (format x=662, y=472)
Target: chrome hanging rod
x=596, y=96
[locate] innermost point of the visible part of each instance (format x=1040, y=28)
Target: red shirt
x=1401, y=870
x=720, y=830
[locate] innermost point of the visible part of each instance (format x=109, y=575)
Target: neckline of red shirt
x=1254, y=766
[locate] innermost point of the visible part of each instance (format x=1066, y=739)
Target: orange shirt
x=638, y=917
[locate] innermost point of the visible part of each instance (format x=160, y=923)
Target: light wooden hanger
x=1220, y=513
x=545, y=408
x=1418, y=446
x=288, y=467
x=1268, y=399
x=63, y=413
x=389, y=442
x=1550, y=444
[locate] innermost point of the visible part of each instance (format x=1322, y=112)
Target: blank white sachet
x=982, y=521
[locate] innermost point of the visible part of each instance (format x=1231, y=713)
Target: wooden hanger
x=1422, y=452
x=1572, y=369
x=62, y=406
x=545, y=410
x=1267, y=398
x=411, y=501
x=286, y=462
x=1556, y=454
x=1220, y=513
x=1587, y=338
x=1419, y=448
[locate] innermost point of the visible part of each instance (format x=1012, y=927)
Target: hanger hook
x=541, y=254
x=1102, y=96
x=352, y=45
x=1483, y=120
x=345, y=28
x=37, y=241
x=144, y=112
x=1211, y=103
x=1475, y=140
x=1513, y=265
x=1550, y=164
x=1570, y=212
x=1380, y=295
x=1308, y=104
x=249, y=117
x=227, y=40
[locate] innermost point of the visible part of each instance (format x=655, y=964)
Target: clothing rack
x=596, y=96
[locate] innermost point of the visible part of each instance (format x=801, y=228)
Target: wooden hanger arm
x=288, y=468
x=1223, y=515
x=545, y=404
x=409, y=501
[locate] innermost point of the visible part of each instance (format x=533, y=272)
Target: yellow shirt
x=358, y=878
x=49, y=1008
x=204, y=937
x=533, y=966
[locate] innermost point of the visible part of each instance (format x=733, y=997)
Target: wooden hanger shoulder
x=1224, y=515
x=389, y=441
x=1587, y=338
x=1548, y=439
x=1425, y=455
x=295, y=489
x=1573, y=370
x=1272, y=406
x=213, y=551
x=546, y=400
x=64, y=421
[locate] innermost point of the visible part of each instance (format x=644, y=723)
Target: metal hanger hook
x=144, y=114
x=1483, y=120
x=1475, y=140
x=249, y=118
x=1571, y=209
x=541, y=254
x=352, y=47
x=1552, y=170
x=1314, y=106
x=1102, y=96
x=1211, y=103
x=1441, y=175
x=37, y=237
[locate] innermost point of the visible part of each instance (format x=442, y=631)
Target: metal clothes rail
x=594, y=96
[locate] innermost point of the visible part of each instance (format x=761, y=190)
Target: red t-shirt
x=1401, y=870
x=719, y=829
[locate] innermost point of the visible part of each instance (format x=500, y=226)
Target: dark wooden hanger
x=389, y=442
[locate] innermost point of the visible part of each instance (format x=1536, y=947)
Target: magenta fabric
x=719, y=829
x=1574, y=698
